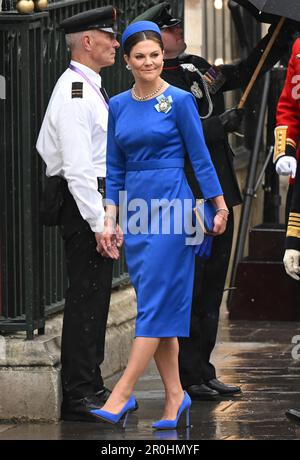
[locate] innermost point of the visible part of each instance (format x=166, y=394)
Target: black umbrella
x=269, y=11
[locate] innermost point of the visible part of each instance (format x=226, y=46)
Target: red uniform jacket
x=288, y=110
x=287, y=138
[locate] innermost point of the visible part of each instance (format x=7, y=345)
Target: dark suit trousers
x=86, y=305
x=210, y=276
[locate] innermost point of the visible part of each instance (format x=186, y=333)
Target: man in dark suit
x=207, y=83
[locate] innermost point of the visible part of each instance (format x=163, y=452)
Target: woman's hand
x=221, y=216
x=220, y=222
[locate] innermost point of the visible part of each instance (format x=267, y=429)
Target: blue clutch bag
x=205, y=213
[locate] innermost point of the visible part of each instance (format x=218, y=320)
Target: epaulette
x=190, y=67
x=77, y=89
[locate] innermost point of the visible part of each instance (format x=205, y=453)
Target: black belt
x=101, y=186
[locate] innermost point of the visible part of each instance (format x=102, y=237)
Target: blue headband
x=140, y=26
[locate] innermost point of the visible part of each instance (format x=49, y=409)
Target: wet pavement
x=255, y=355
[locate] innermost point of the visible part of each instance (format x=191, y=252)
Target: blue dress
x=145, y=158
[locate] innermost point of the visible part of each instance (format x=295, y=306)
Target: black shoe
x=103, y=395
x=293, y=414
x=79, y=409
x=222, y=388
x=201, y=393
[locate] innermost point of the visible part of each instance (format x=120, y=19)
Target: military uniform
x=288, y=118
x=287, y=133
x=72, y=142
x=293, y=230
x=287, y=145
x=207, y=83
x=288, y=109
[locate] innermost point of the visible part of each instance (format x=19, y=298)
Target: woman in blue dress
x=151, y=128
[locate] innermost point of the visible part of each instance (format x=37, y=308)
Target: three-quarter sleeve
x=190, y=128
x=116, y=163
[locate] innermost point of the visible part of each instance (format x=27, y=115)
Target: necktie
x=104, y=94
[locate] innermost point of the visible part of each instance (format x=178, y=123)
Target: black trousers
x=210, y=276
x=288, y=203
x=86, y=306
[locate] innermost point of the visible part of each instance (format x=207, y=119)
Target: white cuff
x=98, y=225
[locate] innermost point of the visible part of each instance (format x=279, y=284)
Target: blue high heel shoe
x=109, y=417
x=172, y=424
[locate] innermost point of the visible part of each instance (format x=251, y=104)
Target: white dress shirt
x=72, y=141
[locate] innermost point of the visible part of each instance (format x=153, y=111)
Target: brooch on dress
x=164, y=103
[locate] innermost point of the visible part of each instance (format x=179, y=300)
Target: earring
x=128, y=67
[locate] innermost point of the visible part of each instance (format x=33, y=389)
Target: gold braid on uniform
x=294, y=225
x=283, y=144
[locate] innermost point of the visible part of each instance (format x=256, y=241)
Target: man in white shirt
x=72, y=142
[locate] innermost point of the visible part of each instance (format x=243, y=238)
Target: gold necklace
x=143, y=98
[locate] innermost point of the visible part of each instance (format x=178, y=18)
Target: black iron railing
x=33, y=54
